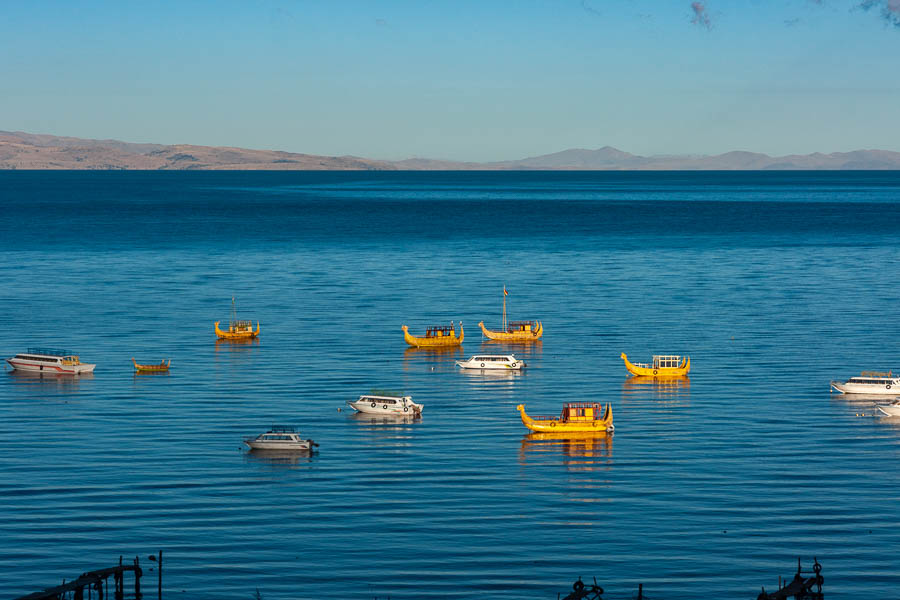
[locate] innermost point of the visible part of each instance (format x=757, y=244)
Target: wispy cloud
x=889, y=10
x=588, y=8
x=701, y=15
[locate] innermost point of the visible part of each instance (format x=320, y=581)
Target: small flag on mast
x=505, y=293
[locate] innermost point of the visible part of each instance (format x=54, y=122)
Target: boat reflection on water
x=443, y=358
x=672, y=390
x=60, y=382
x=493, y=373
x=586, y=451
x=236, y=345
x=523, y=350
x=280, y=457
x=385, y=421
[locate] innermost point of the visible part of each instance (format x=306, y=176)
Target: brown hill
x=28, y=151
x=20, y=150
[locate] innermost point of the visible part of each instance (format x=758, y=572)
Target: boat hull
x=300, y=446
x=888, y=389
x=557, y=426
x=434, y=342
x=237, y=335
x=486, y=366
x=50, y=369
x=680, y=371
x=518, y=336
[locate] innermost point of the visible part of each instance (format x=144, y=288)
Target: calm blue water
x=773, y=283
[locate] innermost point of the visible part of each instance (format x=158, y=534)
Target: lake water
x=773, y=283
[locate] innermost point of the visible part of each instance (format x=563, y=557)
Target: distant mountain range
x=29, y=151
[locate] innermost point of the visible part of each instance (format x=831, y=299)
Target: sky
x=462, y=80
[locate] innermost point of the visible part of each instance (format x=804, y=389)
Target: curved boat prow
x=462, y=334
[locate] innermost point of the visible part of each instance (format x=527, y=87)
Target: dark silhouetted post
x=159, y=589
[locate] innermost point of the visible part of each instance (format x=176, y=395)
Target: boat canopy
x=50, y=352
x=875, y=374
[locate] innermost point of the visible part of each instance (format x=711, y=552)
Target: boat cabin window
x=442, y=331
x=379, y=400
x=37, y=358
x=663, y=362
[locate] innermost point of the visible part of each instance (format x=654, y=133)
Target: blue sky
x=480, y=80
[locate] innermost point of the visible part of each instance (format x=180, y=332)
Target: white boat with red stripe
x=51, y=362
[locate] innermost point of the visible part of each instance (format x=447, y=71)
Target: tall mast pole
x=233, y=312
x=504, y=307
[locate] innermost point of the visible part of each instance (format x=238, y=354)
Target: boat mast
x=233, y=312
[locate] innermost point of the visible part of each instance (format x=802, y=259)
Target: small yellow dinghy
x=662, y=366
x=575, y=417
x=237, y=330
x=514, y=331
x=158, y=368
x=439, y=336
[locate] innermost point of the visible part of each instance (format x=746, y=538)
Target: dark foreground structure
x=95, y=584
x=799, y=588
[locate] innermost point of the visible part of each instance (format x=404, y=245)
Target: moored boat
x=869, y=382
x=237, y=329
x=386, y=403
x=513, y=331
x=280, y=437
x=163, y=366
x=436, y=336
x=661, y=366
x=51, y=362
x=575, y=417
x=504, y=362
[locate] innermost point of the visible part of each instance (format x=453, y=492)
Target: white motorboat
x=280, y=437
x=505, y=362
x=386, y=404
x=51, y=362
x=869, y=382
x=890, y=410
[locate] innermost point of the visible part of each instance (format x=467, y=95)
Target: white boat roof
x=382, y=396
x=511, y=356
x=47, y=352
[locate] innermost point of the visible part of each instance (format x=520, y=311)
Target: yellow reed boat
x=439, y=336
x=158, y=368
x=575, y=417
x=662, y=366
x=237, y=330
x=514, y=331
